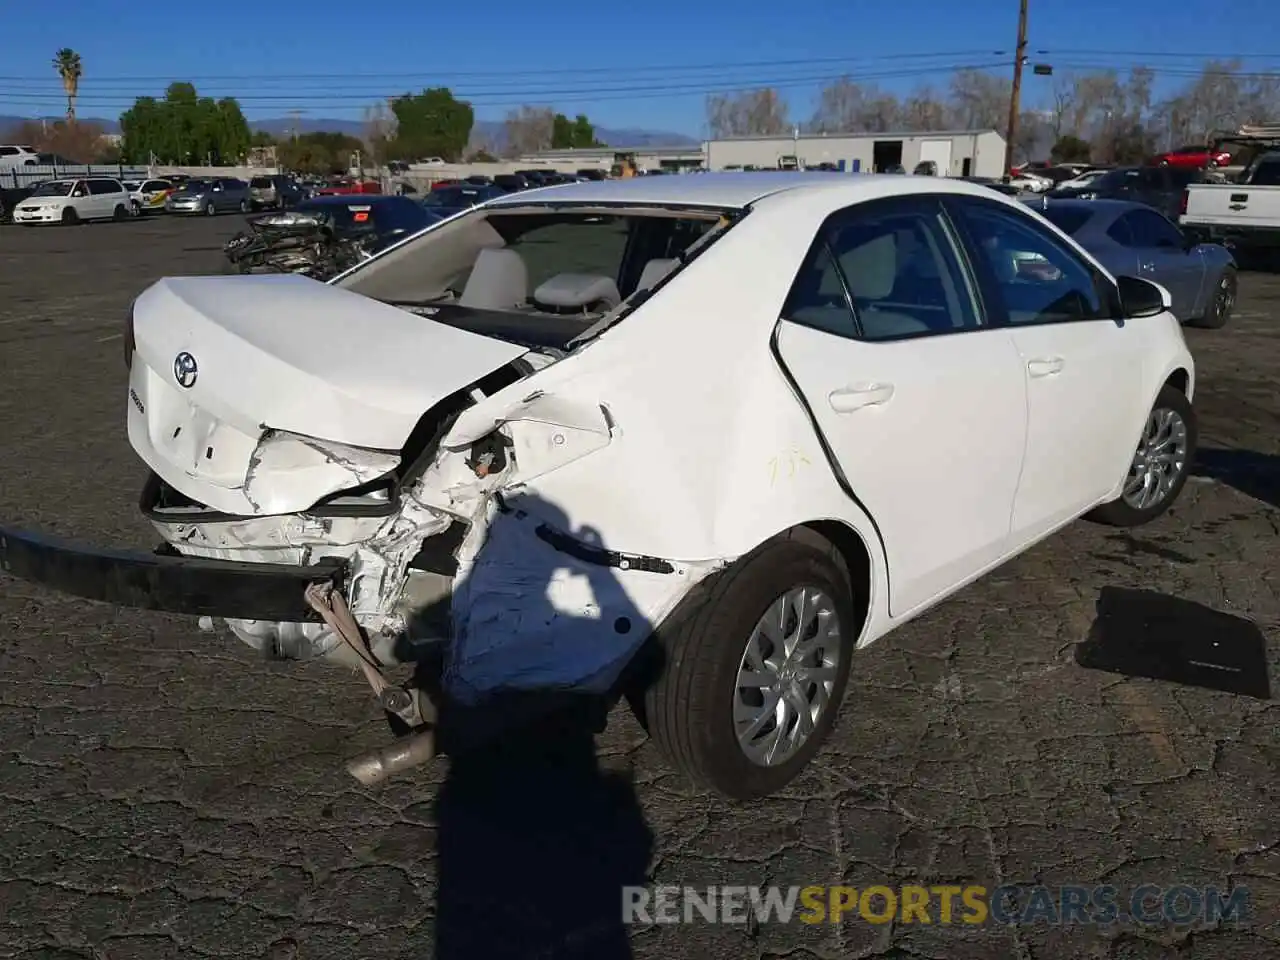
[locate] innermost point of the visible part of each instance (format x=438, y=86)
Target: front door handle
x=1147, y=266
x=848, y=399
x=1046, y=367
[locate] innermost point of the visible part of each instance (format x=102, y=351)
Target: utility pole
x=1015, y=95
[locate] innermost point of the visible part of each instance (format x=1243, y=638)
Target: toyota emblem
x=185, y=370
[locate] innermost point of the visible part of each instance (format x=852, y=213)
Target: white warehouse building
x=957, y=153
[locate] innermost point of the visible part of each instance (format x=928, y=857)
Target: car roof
x=1112, y=207
x=363, y=199
x=737, y=190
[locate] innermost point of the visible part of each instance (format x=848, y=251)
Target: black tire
x=69, y=216
x=1223, y=303
x=119, y=213
x=210, y=209
x=244, y=206
x=1118, y=513
x=688, y=706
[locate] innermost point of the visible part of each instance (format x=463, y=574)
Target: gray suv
x=210, y=196
x=276, y=191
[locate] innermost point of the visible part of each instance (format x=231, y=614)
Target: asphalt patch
x=1142, y=633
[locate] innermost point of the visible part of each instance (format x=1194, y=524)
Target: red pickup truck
x=347, y=186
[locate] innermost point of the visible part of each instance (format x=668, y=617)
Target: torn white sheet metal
x=528, y=616
x=524, y=614
x=310, y=470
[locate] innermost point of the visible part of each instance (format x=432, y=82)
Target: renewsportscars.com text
x=1147, y=904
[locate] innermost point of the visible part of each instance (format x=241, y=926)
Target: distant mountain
x=490, y=132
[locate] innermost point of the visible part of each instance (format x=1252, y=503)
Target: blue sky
x=647, y=64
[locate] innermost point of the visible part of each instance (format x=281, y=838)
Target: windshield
x=1115, y=180
x=196, y=186
x=1091, y=176
x=398, y=215
x=1066, y=219
x=54, y=188
x=261, y=182
x=455, y=197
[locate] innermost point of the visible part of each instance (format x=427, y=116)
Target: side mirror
x=1142, y=298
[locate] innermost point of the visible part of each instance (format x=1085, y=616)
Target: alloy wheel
x=1159, y=461
x=1226, y=297
x=787, y=674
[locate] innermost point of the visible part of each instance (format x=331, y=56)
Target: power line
x=436, y=76
x=1161, y=54
x=532, y=95
x=671, y=85
x=51, y=87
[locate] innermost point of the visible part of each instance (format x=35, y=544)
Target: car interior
x=897, y=279
x=533, y=276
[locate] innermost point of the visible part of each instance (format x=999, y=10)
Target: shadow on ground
x=535, y=840
x=1141, y=633
x=1254, y=474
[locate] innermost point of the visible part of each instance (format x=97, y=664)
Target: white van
x=73, y=200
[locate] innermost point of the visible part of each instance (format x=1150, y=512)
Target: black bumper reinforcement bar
x=166, y=581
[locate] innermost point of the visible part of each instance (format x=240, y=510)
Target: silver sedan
x=1132, y=239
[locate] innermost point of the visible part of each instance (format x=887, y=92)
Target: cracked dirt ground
x=163, y=794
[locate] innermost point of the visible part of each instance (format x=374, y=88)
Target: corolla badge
x=185, y=370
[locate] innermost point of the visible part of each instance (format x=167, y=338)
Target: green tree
x=320, y=152
x=260, y=138
x=184, y=128
x=432, y=123
x=573, y=134
x=584, y=132
x=67, y=63
x=1070, y=149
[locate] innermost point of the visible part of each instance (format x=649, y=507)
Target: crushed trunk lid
x=222, y=362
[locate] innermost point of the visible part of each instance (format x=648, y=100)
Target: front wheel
x=210, y=209
x=1160, y=465
x=244, y=206
x=70, y=216
x=752, y=669
x=1224, y=301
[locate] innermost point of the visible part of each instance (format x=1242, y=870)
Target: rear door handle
x=1046, y=367
x=1147, y=266
x=848, y=399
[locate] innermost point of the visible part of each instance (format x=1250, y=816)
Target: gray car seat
x=499, y=281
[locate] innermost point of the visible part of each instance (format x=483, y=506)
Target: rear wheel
x=1223, y=302
x=120, y=213
x=1160, y=464
x=751, y=670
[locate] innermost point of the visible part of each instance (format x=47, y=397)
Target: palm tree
x=67, y=62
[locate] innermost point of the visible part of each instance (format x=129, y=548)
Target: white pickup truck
x=1244, y=215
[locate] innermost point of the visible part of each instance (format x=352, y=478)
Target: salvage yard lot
x=164, y=794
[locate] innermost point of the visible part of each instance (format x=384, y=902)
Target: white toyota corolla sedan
x=691, y=440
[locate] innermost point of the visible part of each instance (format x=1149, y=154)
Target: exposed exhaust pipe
x=378, y=766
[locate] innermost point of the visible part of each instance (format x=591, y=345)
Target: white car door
x=81, y=200
x=1083, y=365
x=922, y=406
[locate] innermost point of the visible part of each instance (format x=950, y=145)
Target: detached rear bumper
x=166, y=581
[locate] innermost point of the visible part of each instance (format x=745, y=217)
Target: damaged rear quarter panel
x=713, y=454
